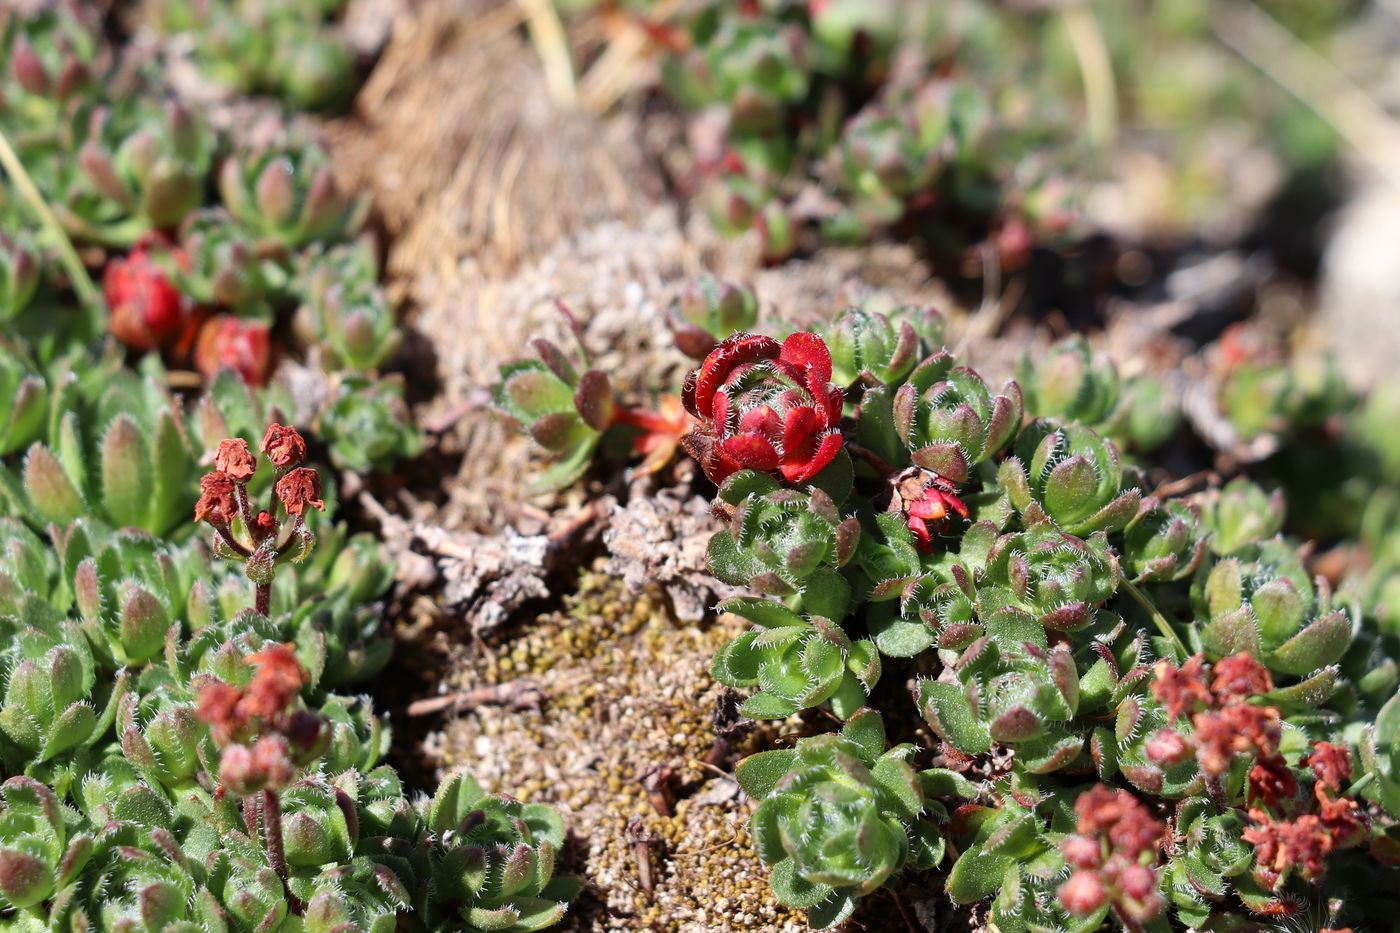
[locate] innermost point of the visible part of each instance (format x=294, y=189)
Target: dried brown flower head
x=283, y=445
x=298, y=489
x=234, y=459
x=217, y=504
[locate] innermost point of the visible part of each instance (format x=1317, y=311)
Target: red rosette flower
x=146, y=311
x=228, y=342
x=765, y=406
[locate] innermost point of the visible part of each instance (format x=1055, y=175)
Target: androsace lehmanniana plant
x=1145, y=710
x=178, y=759
x=572, y=415
x=799, y=97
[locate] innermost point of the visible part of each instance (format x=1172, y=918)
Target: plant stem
x=1157, y=618
x=263, y=599
x=231, y=542
x=272, y=839
x=1129, y=924
x=241, y=492
x=72, y=262
x=250, y=816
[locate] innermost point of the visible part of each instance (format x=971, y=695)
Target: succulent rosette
x=563, y=410
x=1071, y=475
x=24, y=397
x=50, y=56
x=796, y=662
x=1241, y=515
x=39, y=851
x=948, y=420
x=839, y=814
x=286, y=194
x=873, y=346
x=142, y=167
x=1268, y=607
x=1070, y=382
x=19, y=275
x=220, y=265
x=344, y=312
x=766, y=406
x=1164, y=541
x=708, y=311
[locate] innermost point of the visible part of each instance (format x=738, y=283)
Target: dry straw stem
x=615, y=71
x=467, y=155
x=547, y=34
x=1096, y=69
x=1262, y=41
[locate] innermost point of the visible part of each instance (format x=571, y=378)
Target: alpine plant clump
x=1145, y=710
x=178, y=757
x=814, y=122
x=203, y=242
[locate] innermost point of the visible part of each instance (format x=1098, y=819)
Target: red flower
x=272, y=763
x=228, y=342
x=238, y=773
x=1331, y=765
x=1120, y=816
x=146, y=312
x=1281, y=845
x=734, y=357
x=1181, y=689
x=283, y=445
x=244, y=770
x=1116, y=822
x=1239, y=729
x=1343, y=818
x=1239, y=677
x=1137, y=882
x=660, y=431
x=298, y=489
x=219, y=706
x=217, y=504
x=766, y=406
x=234, y=459
x=927, y=502
x=1081, y=851
x=1271, y=782
x=1082, y=894
x=305, y=731
x=264, y=525
x=276, y=682
x=1167, y=748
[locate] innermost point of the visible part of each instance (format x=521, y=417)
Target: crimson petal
x=825, y=453
x=809, y=352
x=719, y=412
x=799, y=433
x=923, y=540
x=752, y=451
x=739, y=350
x=830, y=397
x=761, y=420
x=929, y=507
